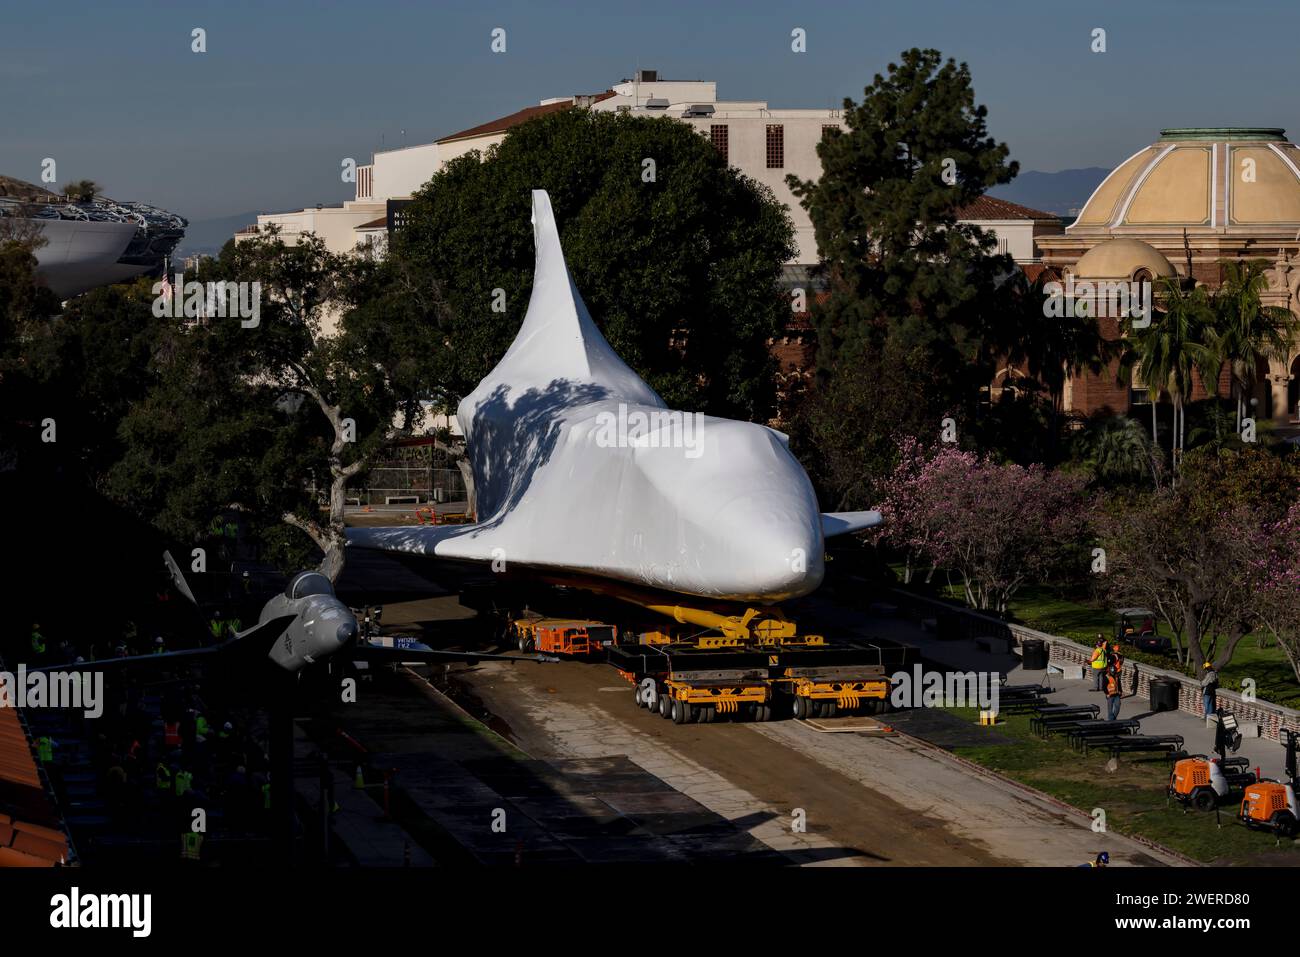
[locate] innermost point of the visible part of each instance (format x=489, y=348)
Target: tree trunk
x=467, y=476
x=331, y=565
x=1182, y=430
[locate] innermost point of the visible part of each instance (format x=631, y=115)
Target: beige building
x=1180, y=207
x=765, y=144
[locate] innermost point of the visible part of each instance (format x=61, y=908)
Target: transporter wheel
x=830, y=709
x=1203, y=799
x=800, y=709
x=1284, y=824
x=637, y=696
x=762, y=712
x=665, y=706
x=678, y=711
x=524, y=643
x=647, y=695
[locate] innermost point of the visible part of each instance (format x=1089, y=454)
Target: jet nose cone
x=346, y=632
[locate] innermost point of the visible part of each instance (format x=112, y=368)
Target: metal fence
x=425, y=485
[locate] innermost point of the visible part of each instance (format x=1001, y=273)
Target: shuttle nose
x=777, y=549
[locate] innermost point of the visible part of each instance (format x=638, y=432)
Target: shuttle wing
x=843, y=523
x=465, y=542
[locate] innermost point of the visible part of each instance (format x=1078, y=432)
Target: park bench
x=1162, y=744
x=1037, y=689
x=1055, y=724
x=1083, y=730
x=1062, y=712
x=1021, y=705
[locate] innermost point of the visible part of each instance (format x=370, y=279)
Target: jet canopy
x=308, y=583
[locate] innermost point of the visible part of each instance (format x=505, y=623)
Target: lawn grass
x=1053, y=610
x=1133, y=796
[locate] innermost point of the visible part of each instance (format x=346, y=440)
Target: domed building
x=1180, y=207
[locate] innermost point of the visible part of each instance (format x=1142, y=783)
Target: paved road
x=866, y=800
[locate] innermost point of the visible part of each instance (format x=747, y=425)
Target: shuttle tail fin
x=558, y=339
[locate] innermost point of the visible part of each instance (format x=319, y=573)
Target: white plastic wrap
x=580, y=467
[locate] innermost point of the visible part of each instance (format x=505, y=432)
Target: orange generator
x=1271, y=805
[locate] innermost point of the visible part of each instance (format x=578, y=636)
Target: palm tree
x=1055, y=349
x=1179, y=339
x=1215, y=428
x=1116, y=449
x=1246, y=331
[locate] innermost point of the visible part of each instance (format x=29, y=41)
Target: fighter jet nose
x=346, y=632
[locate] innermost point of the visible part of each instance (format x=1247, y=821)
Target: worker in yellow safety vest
x=191, y=846
x=38, y=641
x=162, y=777
x=183, y=781
x=45, y=749
x=1098, y=661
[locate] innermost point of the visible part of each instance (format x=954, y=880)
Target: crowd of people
x=159, y=752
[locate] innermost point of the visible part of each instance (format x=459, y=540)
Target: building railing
x=1063, y=652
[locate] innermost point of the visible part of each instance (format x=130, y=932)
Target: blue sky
x=288, y=88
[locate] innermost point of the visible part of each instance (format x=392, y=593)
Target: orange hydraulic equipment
x=557, y=636
x=1271, y=805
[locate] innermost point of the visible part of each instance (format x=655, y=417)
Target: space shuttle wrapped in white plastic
x=580, y=468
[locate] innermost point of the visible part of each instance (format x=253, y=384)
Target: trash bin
x=1033, y=654
x=1164, y=694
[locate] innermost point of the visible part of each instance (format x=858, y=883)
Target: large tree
x=271, y=419
x=676, y=254
x=1179, y=340
x=1248, y=333
x=915, y=298
x=997, y=527
x=885, y=209
x=1192, y=552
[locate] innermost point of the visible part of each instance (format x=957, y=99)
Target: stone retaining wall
x=1062, y=651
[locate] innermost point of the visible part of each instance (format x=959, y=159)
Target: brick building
x=1180, y=207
